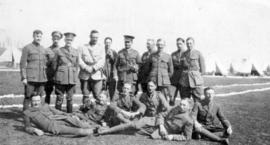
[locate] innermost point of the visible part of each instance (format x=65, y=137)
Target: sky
x=227, y=29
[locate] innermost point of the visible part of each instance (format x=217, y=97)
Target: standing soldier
x=177, y=65
x=91, y=61
x=56, y=36
x=191, y=80
x=66, y=65
x=33, y=68
x=144, y=64
x=161, y=69
x=110, y=69
x=127, y=64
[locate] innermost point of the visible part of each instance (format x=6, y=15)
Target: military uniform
x=53, y=121
x=95, y=113
x=178, y=124
x=161, y=69
x=91, y=57
x=155, y=103
x=143, y=74
x=110, y=72
x=210, y=115
x=127, y=67
x=50, y=72
x=191, y=80
x=33, y=69
x=178, y=68
x=66, y=66
x=127, y=103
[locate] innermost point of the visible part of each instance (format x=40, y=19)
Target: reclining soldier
x=48, y=119
x=96, y=112
x=175, y=124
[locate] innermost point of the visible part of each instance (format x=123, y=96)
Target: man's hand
x=24, y=81
x=162, y=131
x=89, y=69
x=38, y=132
x=229, y=130
x=168, y=137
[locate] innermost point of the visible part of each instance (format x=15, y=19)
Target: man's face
x=128, y=43
x=37, y=37
x=56, y=39
x=94, y=38
x=209, y=95
x=35, y=101
x=150, y=45
x=190, y=44
x=184, y=105
x=103, y=99
x=180, y=45
x=160, y=45
x=108, y=43
x=151, y=87
x=68, y=42
x=127, y=89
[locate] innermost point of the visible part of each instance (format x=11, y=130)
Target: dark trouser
x=111, y=86
x=134, y=86
x=206, y=133
x=29, y=90
x=60, y=90
x=166, y=92
x=144, y=87
x=91, y=85
x=177, y=89
x=48, y=90
x=188, y=92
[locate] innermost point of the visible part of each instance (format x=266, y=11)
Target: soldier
x=91, y=61
x=177, y=65
x=127, y=64
x=176, y=125
x=66, y=66
x=33, y=68
x=191, y=80
x=161, y=69
x=144, y=64
x=154, y=101
x=56, y=37
x=110, y=68
x=210, y=114
x=48, y=119
x=126, y=105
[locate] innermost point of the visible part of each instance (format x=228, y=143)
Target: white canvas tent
x=247, y=67
x=11, y=55
x=214, y=66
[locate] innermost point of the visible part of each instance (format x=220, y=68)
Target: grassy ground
x=11, y=81
x=249, y=115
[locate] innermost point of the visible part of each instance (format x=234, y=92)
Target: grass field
x=248, y=113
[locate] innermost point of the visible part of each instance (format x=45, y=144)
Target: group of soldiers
x=139, y=89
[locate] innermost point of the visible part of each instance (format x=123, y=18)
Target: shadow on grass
x=12, y=114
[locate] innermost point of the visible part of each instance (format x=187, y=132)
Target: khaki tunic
x=178, y=67
x=161, y=68
x=194, y=65
x=66, y=65
x=33, y=63
x=127, y=60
